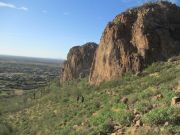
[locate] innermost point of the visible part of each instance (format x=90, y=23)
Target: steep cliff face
x=135, y=39
x=78, y=62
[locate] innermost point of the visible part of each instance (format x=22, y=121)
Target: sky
x=49, y=28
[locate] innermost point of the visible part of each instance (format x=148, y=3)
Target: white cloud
x=2, y=4
x=23, y=8
x=9, y=5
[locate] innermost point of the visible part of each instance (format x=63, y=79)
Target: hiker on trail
x=82, y=99
x=78, y=97
x=34, y=95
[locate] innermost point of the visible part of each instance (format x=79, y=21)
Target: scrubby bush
x=162, y=115
x=143, y=106
x=5, y=128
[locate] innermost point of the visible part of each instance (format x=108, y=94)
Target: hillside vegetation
x=136, y=104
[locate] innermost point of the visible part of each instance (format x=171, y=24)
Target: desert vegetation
x=146, y=110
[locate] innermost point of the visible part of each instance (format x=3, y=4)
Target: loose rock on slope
x=136, y=38
x=78, y=62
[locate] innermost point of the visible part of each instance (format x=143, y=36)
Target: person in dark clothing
x=34, y=94
x=82, y=99
x=78, y=97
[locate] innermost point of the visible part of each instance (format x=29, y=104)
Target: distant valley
x=24, y=74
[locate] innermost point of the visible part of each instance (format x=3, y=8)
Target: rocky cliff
x=135, y=39
x=78, y=62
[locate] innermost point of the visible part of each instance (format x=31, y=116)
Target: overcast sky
x=49, y=28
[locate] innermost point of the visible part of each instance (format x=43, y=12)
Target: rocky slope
x=78, y=62
x=135, y=39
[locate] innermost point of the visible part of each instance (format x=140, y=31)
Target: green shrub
x=100, y=119
x=162, y=115
x=109, y=84
x=171, y=129
x=121, y=106
x=117, y=113
x=143, y=106
x=155, y=67
x=5, y=128
x=123, y=117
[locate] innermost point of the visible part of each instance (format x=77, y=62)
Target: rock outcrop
x=135, y=39
x=78, y=62
x=175, y=101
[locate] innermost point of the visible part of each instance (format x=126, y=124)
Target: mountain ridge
x=135, y=39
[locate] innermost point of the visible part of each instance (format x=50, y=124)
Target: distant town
x=22, y=74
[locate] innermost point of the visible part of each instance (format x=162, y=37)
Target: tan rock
x=117, y=127
x=166, y=123
x=124, y=100
x=82, y=124
x=156, y=74
x=138, y=123
x=75, y=126
x=159, y=96
x=136, y=39
x=175, y=101
x=157, y=129
x=78, y=62
x=136, y=118
x=135, y=112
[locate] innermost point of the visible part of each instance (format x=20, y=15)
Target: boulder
x=166, y=124
x=78, y=62
x=138, y=123
x=135, y=39
x=124, y=100
x=175, y=101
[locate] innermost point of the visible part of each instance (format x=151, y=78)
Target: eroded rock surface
x=135, y=39
x=78, y=62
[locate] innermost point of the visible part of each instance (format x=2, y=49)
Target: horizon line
x=35, y=57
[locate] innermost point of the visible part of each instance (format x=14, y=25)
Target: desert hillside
x=134, y=105
x=128, y=85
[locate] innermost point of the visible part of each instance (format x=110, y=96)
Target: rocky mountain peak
x=135, y=39
x=78, y=63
